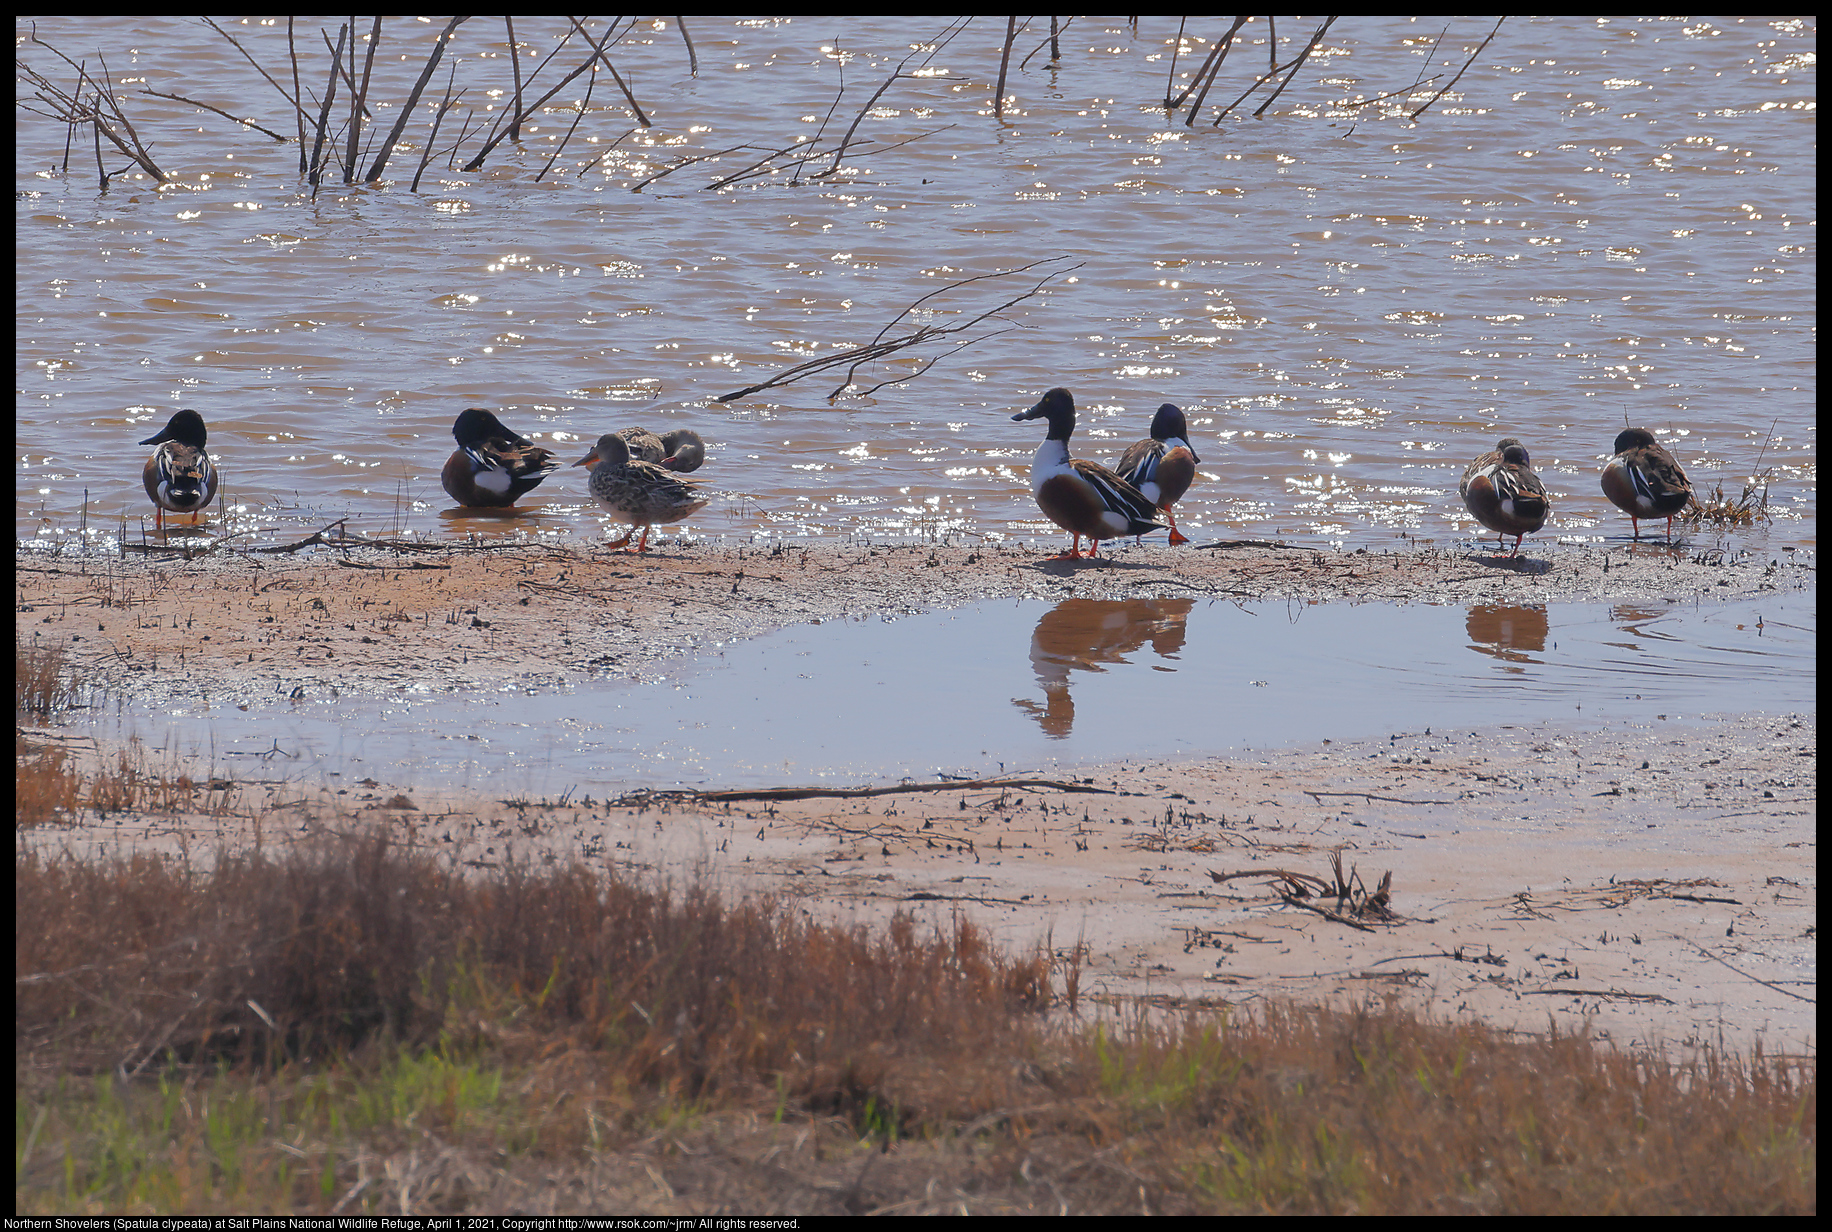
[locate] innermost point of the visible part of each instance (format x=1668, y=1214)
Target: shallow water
x=1607, y=219
x=1026, y=685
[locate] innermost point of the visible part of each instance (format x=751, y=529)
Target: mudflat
x=1652, y=883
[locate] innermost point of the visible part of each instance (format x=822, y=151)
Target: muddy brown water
x=1607, y=219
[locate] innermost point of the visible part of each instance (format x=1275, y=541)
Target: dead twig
x=1302, y=56
x=811, y=793
x=1451, y=84
x=1305, y=881
x=1011, y=36
x=1205, y=76
x=324, y=112
x=1351, y=103
x=1612, y=993
x=413, y=99
x=1746, y=975
x=1335, y=917
x=246, y=123
x=585, y=105
x=881, y=346
x=636, y=107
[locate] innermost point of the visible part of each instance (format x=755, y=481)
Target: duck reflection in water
x=1084, y=634
x=1511, y=634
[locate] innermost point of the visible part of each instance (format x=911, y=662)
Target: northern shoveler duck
x=180, y=477
x=492, y=466
x=1084, y=498
x=680, y=450
x=637, y=492
x=1502, y=492
x=1163, y=466
x=1644, y=481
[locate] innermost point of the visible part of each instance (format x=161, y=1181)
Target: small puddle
x=1012, y=685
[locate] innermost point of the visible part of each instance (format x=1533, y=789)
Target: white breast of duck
x=1079, y=496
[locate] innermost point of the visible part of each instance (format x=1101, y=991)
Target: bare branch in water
x=1352, y=103
x=324, y=112
x=413, y=99
x=598, y=53
x=1011, y=36
x=636, y=107
x=1053, y=42
x=884, y=344
x=1303, y=56
x=1205, y=76
x=591, y=83
x=1451, y=84
x=292, y=100
x=426, y=154
x=246, y=123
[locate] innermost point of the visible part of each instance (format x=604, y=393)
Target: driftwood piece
x=811, y=793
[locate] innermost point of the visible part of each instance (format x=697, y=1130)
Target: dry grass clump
x=311, y=953
x=1719, y=510
x=50, y=786
x=46, y=783
x=44, y=688
x=358, y=1027
x=1365, y=1110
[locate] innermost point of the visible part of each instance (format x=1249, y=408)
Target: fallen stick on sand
x=810, y=793
x=1365, y=796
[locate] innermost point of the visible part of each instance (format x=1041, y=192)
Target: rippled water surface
x=1605, y=219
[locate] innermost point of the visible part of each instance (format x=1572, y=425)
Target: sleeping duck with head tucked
x=492, y=466
x=1084, y=498
x=680, y=450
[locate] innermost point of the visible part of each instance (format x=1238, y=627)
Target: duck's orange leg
x=1176, y=536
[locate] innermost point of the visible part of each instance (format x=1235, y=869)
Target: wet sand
x=362, y=618
x=1655, y=883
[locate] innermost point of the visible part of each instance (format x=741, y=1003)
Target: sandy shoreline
x=363, y=618
x=1656, y=882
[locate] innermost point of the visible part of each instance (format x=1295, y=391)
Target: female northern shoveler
x=640, y=493
x=680, y=450
x=492, y=466
x=1502, y=492
x=1644, y=481
x=179, y=476
x=1164, y=466
x=1084, y=498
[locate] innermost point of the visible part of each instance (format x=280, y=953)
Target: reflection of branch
x=881, y=346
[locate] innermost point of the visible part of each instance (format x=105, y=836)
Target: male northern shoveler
x=492, y=466
x=1644, y=481
x=680, y=450
x=640, y=493
x=1502, y=492
x=1084, y=498
x=179, y=476
x=1163, y=466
